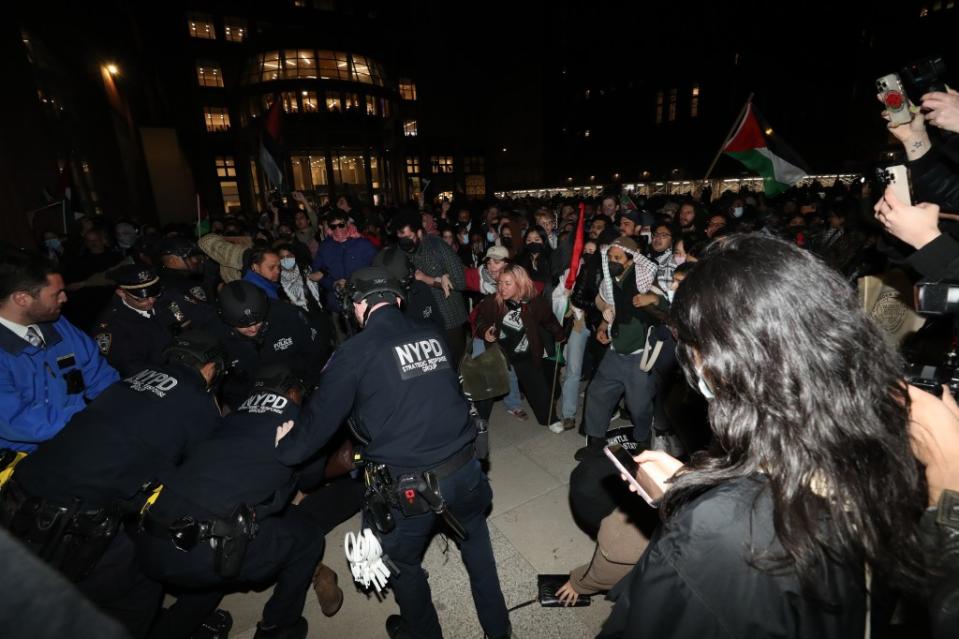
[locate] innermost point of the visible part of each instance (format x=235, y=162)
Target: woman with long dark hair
x=810, y=487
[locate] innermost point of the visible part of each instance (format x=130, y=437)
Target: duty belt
x=186, y=532
x=446, y=468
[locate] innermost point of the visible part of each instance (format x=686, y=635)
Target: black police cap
x=374, y=280
x=137, y=280
x=275, y=378
x=242, y=304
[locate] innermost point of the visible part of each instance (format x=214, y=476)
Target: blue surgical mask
x=490, y=237
x=288, y=263
x=737, y=211
x=53, y=244
x=703, y=386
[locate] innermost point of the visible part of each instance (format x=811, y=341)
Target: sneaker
x=557, y=427
x=518, y=413
x=297, y=630
x=594, y=446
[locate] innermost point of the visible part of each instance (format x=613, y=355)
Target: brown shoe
x=328, y=593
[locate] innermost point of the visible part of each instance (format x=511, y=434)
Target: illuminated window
x=474, y=164
x=334, y=65
x=659, y=107
x=231, y=196
x=362, y=69
x=267, y=99
x=370, y=105
x=309, y=172
x=694, y=102
x=351, y=101
x=290, y=105
x=271, y=66
x=234, y=29
x=384, y=107
x=407, y=89
x=201, y=26
x=300, y=4
x=217, y=119
x=299, y=63
x=442, y=163
x=409, y=128
x=475, y=186
x=311, y=103
x=375, y=172
x=586, y=133
x=333, y=102
x=673, y=97
x=225, y=166
x=208, y=74
x=413, y=166
x=349, y=169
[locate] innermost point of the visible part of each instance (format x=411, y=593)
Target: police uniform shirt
x=287, y=339
x=398, y=376
x=131, y=339
x=136, y=428
x=235, y=465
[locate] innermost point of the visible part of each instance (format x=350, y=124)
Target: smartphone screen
x=628, y=466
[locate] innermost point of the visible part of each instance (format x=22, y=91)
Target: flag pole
x=732, y=130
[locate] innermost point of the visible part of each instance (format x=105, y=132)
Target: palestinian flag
x=758, y=149
x=626, y=202
x=270, y=146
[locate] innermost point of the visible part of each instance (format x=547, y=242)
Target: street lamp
x=112, y=69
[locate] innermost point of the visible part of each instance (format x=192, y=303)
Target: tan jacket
x=227, y=253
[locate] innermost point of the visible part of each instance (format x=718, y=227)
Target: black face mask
x=534, y=248
x=616, y=269
x=512, y=304
x=407, y=244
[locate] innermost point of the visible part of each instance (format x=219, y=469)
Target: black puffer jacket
x=696, y=578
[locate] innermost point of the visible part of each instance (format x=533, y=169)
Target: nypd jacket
x=286, y=338
x=137, y=428
x=235, y=465
x=41, y=388
x=397, y=376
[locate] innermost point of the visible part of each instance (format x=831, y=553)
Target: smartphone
x=628, y=466
x=894, y=98
x=897, y=176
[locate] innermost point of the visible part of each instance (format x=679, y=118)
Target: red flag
x=577, y=248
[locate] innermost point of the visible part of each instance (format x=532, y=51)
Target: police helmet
x=394, y=260
x=243, y=304
x=275, y=378
x=375, y=284
x=196, y=348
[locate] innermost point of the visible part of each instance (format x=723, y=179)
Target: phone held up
x=635, y=475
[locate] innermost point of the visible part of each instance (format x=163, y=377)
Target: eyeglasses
x=338, y=225
x=662, y=235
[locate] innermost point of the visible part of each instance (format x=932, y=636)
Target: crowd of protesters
x=724, y=328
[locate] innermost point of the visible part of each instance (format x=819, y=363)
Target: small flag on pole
x=577, y=248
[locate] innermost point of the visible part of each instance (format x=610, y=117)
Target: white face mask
x=703, y=386
x=737, y=211
x=288, y=263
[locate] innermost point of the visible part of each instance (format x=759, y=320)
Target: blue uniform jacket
x=339, y=260
x=34, y=403
x=397, y=375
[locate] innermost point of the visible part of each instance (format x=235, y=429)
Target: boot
x=594, y=446
x=216, y=626
x=396, y=628
x=328, y=593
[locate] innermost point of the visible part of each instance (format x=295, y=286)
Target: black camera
x=923, y=76
x=937, y=300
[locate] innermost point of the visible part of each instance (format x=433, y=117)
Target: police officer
x=143, y=319
x=256, y=331
x=67, y=499
x=49, y=369
x=227, y=483
x=419, y=302
x=397, y=376
x=181, y=263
